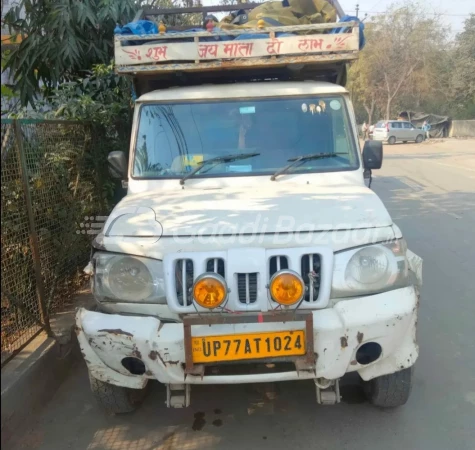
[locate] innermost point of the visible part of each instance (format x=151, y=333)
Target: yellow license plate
x=234, y=347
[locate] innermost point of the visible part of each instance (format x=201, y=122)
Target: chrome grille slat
x=247, y=289
x=310, y=288
x=183, y=282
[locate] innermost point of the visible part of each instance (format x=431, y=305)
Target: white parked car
x=392, y=131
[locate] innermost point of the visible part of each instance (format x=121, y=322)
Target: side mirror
x=117, y=165
x=373, y=155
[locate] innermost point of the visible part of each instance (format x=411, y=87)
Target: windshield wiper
x=217, y=160
x=301, y=158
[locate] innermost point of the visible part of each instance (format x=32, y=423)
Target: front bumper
x=382, y=138
x=388, y=319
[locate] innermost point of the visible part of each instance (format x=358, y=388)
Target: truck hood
x=275, y=208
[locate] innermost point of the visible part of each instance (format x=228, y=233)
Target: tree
x=405, y=43
x=8, y=94
x=360, y=90
x=100, y=96
x=63, y=39
x=463, y=71
x=403, y=47
x=361, y=82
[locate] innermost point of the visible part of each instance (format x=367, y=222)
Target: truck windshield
x=173, y=139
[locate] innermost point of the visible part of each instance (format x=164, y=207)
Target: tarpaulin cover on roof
x=287, y=12
x=439, y=125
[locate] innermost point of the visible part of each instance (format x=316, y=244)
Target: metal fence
x=54, y=176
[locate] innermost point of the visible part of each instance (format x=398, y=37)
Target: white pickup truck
x=248, y=248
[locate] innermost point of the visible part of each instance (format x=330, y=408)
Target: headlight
x=128, y=279
x=370, y=269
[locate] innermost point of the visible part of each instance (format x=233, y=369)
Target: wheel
x=116, y=399
x=389, y=391
x=419, y=139
x=392, y=140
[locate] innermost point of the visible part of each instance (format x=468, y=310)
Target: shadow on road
x=432, y=155
x=227, y=417
x=405, y=196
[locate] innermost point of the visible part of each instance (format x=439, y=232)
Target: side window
x=407, y=125
x=396, y=125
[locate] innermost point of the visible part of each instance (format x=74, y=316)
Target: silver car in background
x=392, y=131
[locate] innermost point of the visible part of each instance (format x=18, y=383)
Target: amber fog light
x=286, y=287
x=210, y=290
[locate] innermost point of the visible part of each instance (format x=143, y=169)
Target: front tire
x=116, y=399
x=389, y=391
x=392, y=140
x=419, y=139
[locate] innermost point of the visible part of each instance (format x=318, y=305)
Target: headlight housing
x=370, y=269
x=126, y=278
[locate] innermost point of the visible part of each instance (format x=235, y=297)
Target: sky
x=454, y=12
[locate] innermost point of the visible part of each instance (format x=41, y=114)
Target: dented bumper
x=388, y=319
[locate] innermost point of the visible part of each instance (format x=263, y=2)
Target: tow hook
x=328, y=391
x=178, y=395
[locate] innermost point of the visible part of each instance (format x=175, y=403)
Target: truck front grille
x=247, y=287
x=247, y=273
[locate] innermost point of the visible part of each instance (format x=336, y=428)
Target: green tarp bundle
x=299, y=12
x=439, y=125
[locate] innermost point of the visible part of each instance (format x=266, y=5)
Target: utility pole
x=357, y=9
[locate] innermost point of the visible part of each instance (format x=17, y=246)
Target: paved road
x=430, y=192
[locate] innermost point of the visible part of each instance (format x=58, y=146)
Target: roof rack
x=175, y=57
x=211, y=49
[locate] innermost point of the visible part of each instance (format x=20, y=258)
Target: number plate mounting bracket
x=302, y=363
